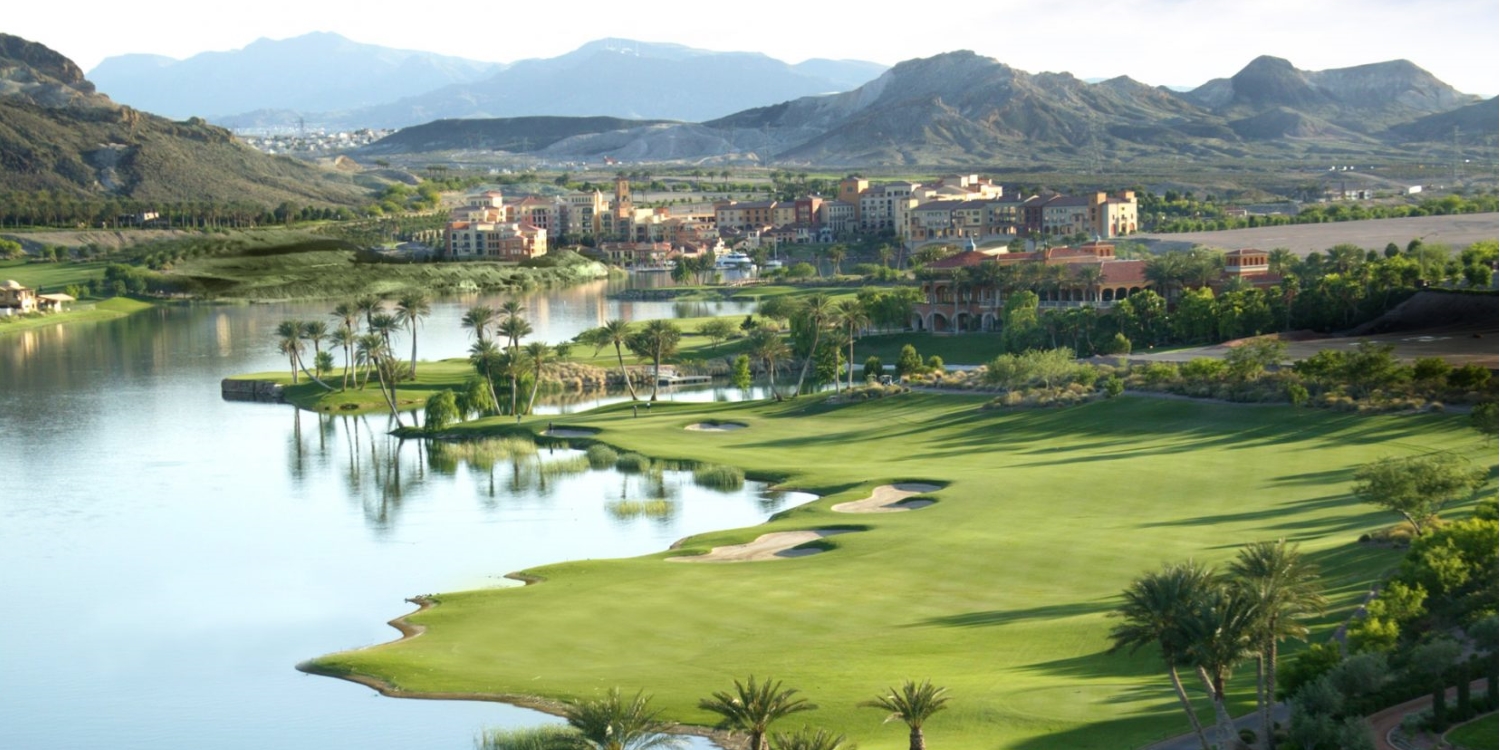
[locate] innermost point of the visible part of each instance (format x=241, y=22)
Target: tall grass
x=530, y=738
x=558, y=467
x=601, y=456
x=627, y=509
x=480, y=453
x=632, y=463
x=719, y=477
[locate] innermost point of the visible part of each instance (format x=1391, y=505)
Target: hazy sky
x=1169, y=42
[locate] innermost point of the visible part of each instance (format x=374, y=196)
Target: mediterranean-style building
x=967, y=290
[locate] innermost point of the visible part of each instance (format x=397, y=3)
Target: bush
x=935, y=363
x=1204, y=368
x=1114, y=386
x=632, y=463
x=602, y=456
x=442, y=410
x=873, y=369
x=908, y=363
x=802, y=270
x=718, y=477
x=1117, y=345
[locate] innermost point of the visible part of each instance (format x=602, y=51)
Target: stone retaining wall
x=250, y=390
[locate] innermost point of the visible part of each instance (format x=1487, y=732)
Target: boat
x=732, y=261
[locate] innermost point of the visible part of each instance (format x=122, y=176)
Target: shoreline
x=410, y=630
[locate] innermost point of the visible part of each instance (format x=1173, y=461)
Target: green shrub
x=601, y=456
x=719, y=477
x=1114, y=386
x=873, y=369
x=632, y=463
x=935, y=363
x=1117, y=345
x=1204, y=368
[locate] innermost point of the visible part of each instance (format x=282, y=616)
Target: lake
x=169, y=557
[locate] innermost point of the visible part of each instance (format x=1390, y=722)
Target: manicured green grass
x=1000, y=591
x=1482, y=733
x=431, y=377
x=50, y=277
x=109, y=309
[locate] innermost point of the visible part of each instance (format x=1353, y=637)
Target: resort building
x=16, y=299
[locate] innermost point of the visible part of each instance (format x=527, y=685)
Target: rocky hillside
x=57, y=133
x=961, y=108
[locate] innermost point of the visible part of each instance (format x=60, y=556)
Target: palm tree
x=808, y=738
x=913, y=704
x=657, y=341
x=852, y=317
x=513, y=328
x=378, y=357
x=753, y=707
x=1155, y=606
x=617, y=332
x=488, y=360
x=836, y=255
x=315, y=331
x=1089, y=277
x=886, y=253
x=1217, y=632
x=345, y=337
x=289, y=342
x=815, y=312
x=347, y=314
x=614, y=723
x=1283, y=587
x=411, y=308
x=367, y=305
x=478, y=319
x=538, y=355
x=767, y=346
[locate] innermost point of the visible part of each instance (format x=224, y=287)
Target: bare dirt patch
x=890, y=498
x=716, y=426
x=765, y=547
x=1458, y=230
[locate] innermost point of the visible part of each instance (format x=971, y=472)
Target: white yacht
x=732, y=261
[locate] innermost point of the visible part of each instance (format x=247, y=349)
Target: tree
x=378, y=358
x=1416, y=487
x=873, y=369
x=851, y=317
x=538, y=355
x=411, y=308
x=442, y=410
x=753, y=707
x=478, y=320
x=1217, y=631
x=836, y=256
x=815, y=314
x=1155, y=608
x=808, y=738
x=616, y=723
x=740, y=376
x=767, y=346
x=1283, y=589
x=345, y=337
x=716, y=330
x=290, y=335
x=908, y=362
x=513, y=328
x=913, y=705
x=367, y=305
x=488, y=361
x=656, y=342
x=617, y=333
x=1251, y=358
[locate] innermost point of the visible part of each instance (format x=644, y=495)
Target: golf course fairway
x=999, y=590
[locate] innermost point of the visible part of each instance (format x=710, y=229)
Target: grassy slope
x=51, y=277
x=1481, y=734
x=110, y=309
x=999, y=591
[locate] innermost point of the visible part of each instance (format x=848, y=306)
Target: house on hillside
x=16, y=299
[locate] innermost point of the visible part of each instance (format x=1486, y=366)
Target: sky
x=1160, y=42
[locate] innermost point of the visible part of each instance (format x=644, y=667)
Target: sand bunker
x=890, y=498
x=765, y=547
x=564, y=432
x=720, y=427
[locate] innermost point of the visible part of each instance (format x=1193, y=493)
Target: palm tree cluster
x=1199, y=619
x=497, y=352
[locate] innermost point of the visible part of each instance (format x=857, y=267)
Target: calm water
x=168, y=556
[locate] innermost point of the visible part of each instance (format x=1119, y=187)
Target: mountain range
x=327, y=80
x=960, y=108
x=58, y=133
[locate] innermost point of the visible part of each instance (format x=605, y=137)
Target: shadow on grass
x=1007, y=616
